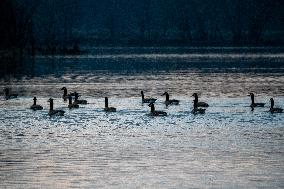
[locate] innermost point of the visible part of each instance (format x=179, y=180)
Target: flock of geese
x=198, y=107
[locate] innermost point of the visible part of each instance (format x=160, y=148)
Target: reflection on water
x=141, y=60
x=99, y=84
x=228, y=147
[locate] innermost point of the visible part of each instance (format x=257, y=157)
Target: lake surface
x=229, y=146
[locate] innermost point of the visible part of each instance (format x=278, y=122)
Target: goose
x=274, y=110
x=168, y=101
x=65, y=93
x=77, y=101
x=54, y=112
x=35, y=106
x=156, y=113
x=108, y=109
x=72, y=105
x=253, y=104
x=199, y=104
x=8, y=95
x=147, y=100
x=197, y=110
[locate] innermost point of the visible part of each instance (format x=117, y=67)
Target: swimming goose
x=54, y=112
x=35, y=106
x=72, y=105
x=77, y=101
x=199, y=104
x=108, y=109
x=8, y=95
x=147, y=100
x=65, y=94
x=156, y=113
x=253, y=104
x=197, y=110
x=274, y=110
x=168, y=101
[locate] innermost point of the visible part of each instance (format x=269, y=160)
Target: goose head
x=194, y=95
x=271, y=103
x=165, y=93
x=251, y=94
x=76, y=94
x=151, y=104
x=34, y=99
x=106, y=102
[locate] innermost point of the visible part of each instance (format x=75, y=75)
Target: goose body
x=84, y=102
x=202, y=104
x=108, y=109
x=155, y=112
x=147, y=100
x=8, y=95
x=170, y=102
x=199, y=104
x=274, y=110
x=257, y=105
x=197, y=110
x=35, y=106
x=253, y=104
x=72, y=105
x=77, y=101
x=158, y=113
x=53, y=112
x=56, y=113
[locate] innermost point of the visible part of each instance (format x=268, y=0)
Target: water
x=228, y=147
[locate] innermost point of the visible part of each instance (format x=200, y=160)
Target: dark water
x=228, y=147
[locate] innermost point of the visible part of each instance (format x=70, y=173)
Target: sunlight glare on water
x=229, y=146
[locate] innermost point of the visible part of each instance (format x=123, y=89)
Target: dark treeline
x=62, y=24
